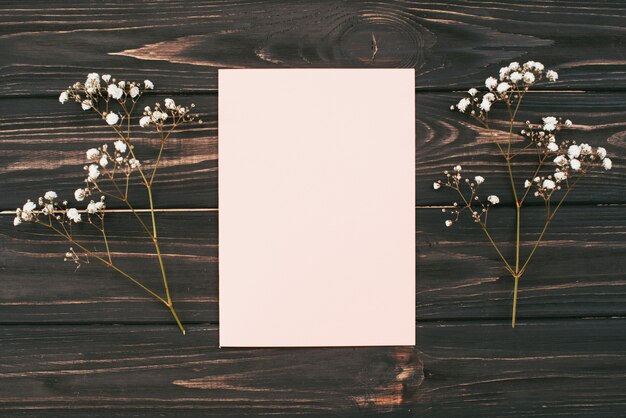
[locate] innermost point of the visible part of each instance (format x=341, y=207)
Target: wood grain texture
x=543, y=368
x=578, y=272
x=143, y=371
x=89, y=344
x=42, y=143
x=181, y=45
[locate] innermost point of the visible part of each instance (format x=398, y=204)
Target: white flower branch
x=566, y=161
x=114, y=101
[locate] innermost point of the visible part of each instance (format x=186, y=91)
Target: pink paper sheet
x=316, y=207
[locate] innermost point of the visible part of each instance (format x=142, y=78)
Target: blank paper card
x=316, y=207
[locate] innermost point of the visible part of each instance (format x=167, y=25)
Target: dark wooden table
x=90, y=344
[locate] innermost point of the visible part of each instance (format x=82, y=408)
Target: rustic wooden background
x=89, y=344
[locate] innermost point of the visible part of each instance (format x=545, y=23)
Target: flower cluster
x=570, y=158
x=115, y=102
x=473, y=204
x=169, y=110
x=556, y=164
x=99, y=93
x=513, y=80
x=50, y=208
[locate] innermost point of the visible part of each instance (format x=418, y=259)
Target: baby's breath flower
x=448, y=223
x=503, y=87
x=158, y=116
x=86, y=104
x=493, y=199
x=560, y=160
x=106, y=77
x=50, y=195
x=479, y=179
x=573, y=151
x=134, y=91
x=515, y=76
x=472, y=92
x=457, y=168
x=104, y=161
x=585, y=149
x=94, y=173
x=552, y=146
x=79, y=195
x=29, y=206
x=120, y=146
x=145, y=121
x=504, y=72
x=607, y=164
x=527, y=184
x=17, y=221
x=64, y=97
x=112, y=118
x=436, y=185
x=485, y=105
x=462, y=105
x=529, y=77
x=548, y=184
x=601, y=152
x=48, y=209
x=549, y=123
x=568, y=123
x=491, y=83
x=574, y=164
x=169, y=103
x=114, y=92
x=92, y=154
x=560, y=176
x=148, y=84
x=514, y=66
x=91, y=207
x=92, y=84
x=134, y=163
x=552, y=75
x=73, y=215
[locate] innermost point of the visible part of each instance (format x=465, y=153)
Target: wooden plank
x=42, y=144
x=543, y=368
x=31, y=260
x=445, y=138
x=180, y=47
x=578, y=272
x=152, y=370
x=571, y=368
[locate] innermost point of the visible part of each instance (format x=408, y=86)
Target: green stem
x=106, y=262
x=176, y=318
x=104, y=235
x=513, y=316
x=484, y=228
x=545, y=227
x=156, y=246
x=168, y=304
x=518, y=210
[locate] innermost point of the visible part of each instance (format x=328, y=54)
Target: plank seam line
x=418, y=322
x=417, y=207
x=459, y=89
